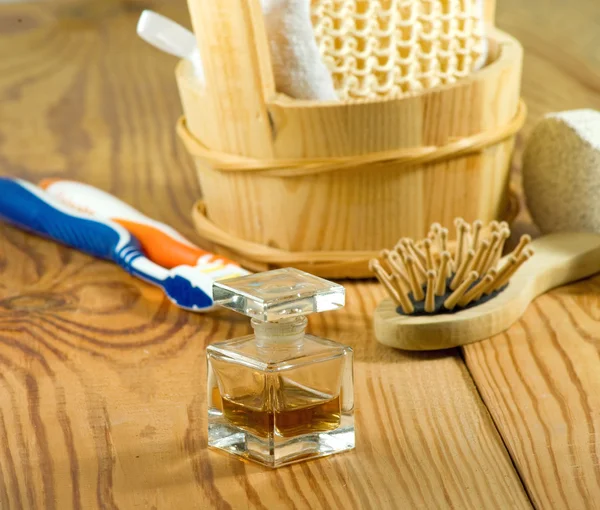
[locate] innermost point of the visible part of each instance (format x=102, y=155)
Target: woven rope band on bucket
x=296, y=167
x=334, y=264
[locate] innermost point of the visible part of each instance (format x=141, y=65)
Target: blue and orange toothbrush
x=161, y=243
x=31, y=208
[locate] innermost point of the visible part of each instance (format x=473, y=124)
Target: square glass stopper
x=278, y=294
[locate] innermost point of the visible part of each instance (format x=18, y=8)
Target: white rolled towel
x=297, y=64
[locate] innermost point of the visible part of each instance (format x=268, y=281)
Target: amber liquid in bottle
x=289, y=421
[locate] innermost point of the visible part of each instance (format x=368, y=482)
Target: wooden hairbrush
x=440, y=299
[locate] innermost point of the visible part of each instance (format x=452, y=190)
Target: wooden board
x=102, y=399
x=541, y=380
x=102, y=381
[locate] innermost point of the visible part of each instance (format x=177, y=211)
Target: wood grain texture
x=343, y=210
x=490, y=11
x=71, y=105
x=233, y=42
x=102, y=381
x=103, y=405
x=540, y=380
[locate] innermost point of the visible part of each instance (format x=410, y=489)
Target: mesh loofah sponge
x=389, y=48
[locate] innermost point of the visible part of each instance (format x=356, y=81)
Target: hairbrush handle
x=31, y=208
x=161, y=243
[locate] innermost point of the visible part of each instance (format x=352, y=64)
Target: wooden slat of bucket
x=237, y=64
x=483, y=101
x=490, y=12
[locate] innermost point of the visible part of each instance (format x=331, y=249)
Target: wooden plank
x=235, y=53
x=103, y=399
x=541, y=383
x=541, y=380
x=102, y=381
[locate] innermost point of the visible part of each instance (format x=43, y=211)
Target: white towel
x=297, y=64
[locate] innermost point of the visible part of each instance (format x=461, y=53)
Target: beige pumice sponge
x=561, y=172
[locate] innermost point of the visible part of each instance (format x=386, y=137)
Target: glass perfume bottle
x=280, y=396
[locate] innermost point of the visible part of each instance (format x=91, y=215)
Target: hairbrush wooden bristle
x=442, y=298
x=426, y=278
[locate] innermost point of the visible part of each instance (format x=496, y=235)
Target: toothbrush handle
x=31, y=208
x=161, y=243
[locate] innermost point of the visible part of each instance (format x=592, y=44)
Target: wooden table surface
x=102, y=381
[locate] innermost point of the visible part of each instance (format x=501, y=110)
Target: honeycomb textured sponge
x=561, y=172
x=391, y=48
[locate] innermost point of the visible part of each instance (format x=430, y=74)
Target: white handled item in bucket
x=299, y=70
x=170, y=37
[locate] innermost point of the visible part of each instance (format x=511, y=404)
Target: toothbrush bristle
x=189, y=288
x=428, y=278
x=185, y=295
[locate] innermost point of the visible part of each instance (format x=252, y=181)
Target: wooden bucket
x=325, y=186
